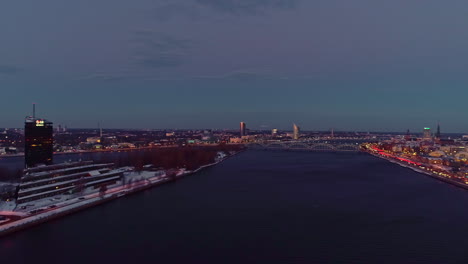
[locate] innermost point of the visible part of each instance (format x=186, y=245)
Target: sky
x=361, y=65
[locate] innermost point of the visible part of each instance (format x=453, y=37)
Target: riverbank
x=114, y=150
x=420, y=168
x=91, y=200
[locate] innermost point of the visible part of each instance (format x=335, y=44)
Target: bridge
x=325, y=146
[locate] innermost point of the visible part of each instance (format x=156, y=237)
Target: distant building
x=235, y=140
x=427, y=133
x=274, y=132
x=296, y=132
x=437, y=135
x=243, y=129
x=248, y=138
x=408, y=135
x=93, y=140
x=207, y=135
x=126, y=145
x=39, y=141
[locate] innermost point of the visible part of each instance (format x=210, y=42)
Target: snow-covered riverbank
x=143, y=180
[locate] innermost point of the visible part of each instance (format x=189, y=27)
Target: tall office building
x=438, y=131
x=243, y=129
x=296, y=132
x=38, y=134
x=427, y=133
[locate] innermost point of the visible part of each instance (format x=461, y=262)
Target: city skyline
x=181, y=64
x=100, y=129
x=243, y=127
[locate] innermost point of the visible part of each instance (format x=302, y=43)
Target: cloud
x=9, y=70
x=150, y=51
x=195, y=9
x=115, y=76
x=153, y=50
x=240, y=7
x=186, y=9
x=244, y=75
x=160, y=60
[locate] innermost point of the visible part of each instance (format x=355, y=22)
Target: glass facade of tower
x=296, y=132
x=243, y=129
x=38, y=134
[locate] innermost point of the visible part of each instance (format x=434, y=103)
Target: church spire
x=408, y=135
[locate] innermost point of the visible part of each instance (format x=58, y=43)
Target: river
x=266, y=207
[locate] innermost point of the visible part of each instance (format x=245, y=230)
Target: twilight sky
x=352, y=65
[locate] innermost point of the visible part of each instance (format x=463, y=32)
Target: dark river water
x=266, y=207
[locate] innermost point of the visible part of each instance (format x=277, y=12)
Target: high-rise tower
x=243, y=129
x=38, y=134
x=296, y=132
x=427, y=133
x=438, y=131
